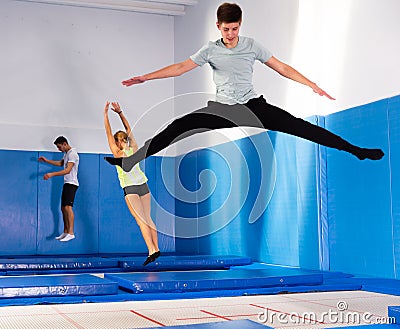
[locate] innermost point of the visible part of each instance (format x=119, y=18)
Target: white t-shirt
x=72, y=177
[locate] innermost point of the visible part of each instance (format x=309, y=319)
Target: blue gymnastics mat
x=237, y=324
x=60, y=285
x=212, y=280
x=56, y=263
x=177, y=263
x=383, y=286
x=394, y=312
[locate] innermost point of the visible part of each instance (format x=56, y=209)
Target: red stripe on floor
x=215, y=315
x=147, y=318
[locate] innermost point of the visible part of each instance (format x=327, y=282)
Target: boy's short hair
x=60, y=140
x=229, y=13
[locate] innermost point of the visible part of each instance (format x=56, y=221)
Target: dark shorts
x=136, y=189
x=68, y=195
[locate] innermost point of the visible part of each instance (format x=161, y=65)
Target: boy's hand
x=134, y=81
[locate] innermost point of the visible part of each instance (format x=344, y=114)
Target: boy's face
x=229, y=33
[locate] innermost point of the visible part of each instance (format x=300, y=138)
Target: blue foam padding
x=394, y=142
x=206, y=280
x=383, y=286
x=262, y=266
x=18, y=202
x=237, y=324
x=394, y=312
x=196, y=262
x=125, y=296
x=158, y=169
x=63, y=285
x=66, y=271
x=361, y=227
x=285, y=220
x=59, y=263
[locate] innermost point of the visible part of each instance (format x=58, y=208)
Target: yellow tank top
x=134, y=177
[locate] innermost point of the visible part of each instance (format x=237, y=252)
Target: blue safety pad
x=126, y=296
x=237, y=324
x=161, y=183
x=63, y=285
x=59, y=263
x=394, y=312
x=361, y=228
x=66, y=271
x=383, y=286
x=206, y=280
x=394, y=143
x=263, y=266
x=18, y=202
x=196, y=262
x=264, y=196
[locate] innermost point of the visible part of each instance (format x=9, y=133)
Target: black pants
x=255, y=113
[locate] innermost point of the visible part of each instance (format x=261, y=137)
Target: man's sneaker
x=68, y=237
x=61, y=236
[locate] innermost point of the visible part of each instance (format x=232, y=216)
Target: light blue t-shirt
x=232, y=68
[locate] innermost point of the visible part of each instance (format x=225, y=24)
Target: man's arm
x=290, y=73
x=58, y=163
x=63, y=172
x=170, y=71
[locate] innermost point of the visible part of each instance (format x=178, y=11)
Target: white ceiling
x=161, y=7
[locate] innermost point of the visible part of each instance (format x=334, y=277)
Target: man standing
x=70, y=161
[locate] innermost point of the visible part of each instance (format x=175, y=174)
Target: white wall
x=59, y=64
x=350, y=48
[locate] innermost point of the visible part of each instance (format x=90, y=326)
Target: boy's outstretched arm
x=289, y=72
x=173, y=70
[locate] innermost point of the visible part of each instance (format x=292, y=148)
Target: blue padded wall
x=162, y=184
x=18, y=202
x=359, y=194
x=281, y=171
x=394, y=158
x=30, y=214
x=328, y=209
